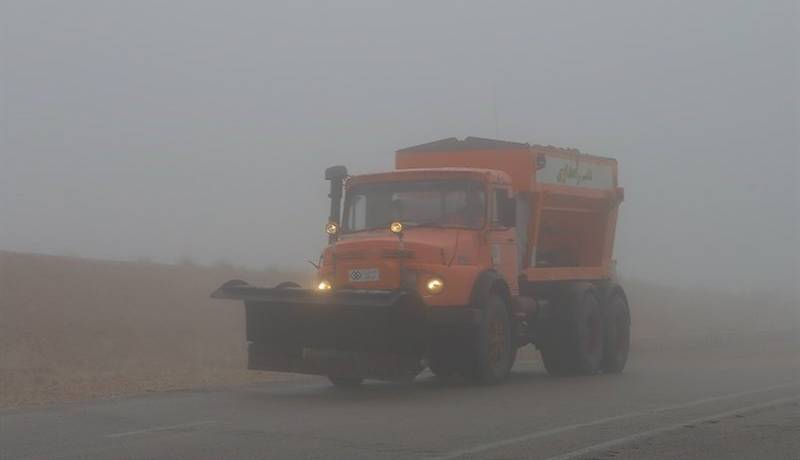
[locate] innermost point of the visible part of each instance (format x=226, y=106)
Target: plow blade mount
x=377, y=334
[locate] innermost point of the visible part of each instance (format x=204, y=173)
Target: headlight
x=396, y=227
x=434, y=285
x=324, y=285
x=331, y=228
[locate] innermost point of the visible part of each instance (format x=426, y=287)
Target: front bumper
x=370, y=333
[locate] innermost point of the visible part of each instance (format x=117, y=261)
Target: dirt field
x=77, y=328
x=73, y=329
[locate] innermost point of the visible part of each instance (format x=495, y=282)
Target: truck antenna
x=494, y=109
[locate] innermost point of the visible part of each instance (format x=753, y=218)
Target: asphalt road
x=733, y=398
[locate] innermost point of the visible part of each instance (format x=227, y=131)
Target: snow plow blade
x=375, y=334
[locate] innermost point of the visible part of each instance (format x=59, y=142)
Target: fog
x=200, y=130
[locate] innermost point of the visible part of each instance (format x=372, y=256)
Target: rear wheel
x=494, y=351
x=575, y=338
x=552, y=358
x=587, y=330
x=616, y=334
x=345, y=382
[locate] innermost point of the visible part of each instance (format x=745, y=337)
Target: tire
x=587, y=331
x=346, y=382
x=617, y=333
x=575, y=338
x=494, y=350
x=553, y=345
x=553, y=359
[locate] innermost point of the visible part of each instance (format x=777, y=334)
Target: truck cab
x=432, y=231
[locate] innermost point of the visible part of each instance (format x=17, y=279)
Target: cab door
x=502, y=235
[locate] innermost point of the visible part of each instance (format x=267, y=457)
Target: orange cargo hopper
x=566, y=208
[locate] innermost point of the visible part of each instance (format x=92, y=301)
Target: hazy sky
x=169, y=129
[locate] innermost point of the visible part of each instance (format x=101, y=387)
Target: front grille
x=352, y=255
x=398, y=254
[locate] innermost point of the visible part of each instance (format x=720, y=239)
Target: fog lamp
x=324, y=285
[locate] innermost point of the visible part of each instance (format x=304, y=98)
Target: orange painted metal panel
x=567, y=273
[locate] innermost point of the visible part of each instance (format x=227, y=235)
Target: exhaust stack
x=337, y=175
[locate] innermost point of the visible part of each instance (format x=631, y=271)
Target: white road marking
x=673, y=427
x=545, y=433
x=161, y=428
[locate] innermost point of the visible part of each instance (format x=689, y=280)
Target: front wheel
x=495, y=351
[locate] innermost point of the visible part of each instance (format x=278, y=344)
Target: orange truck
x=466, y=251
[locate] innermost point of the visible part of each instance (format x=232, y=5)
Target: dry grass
x=73, y=329
x=77, y=328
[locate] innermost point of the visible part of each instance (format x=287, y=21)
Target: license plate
x=364, y=274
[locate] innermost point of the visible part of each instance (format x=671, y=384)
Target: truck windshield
x=419, y=203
